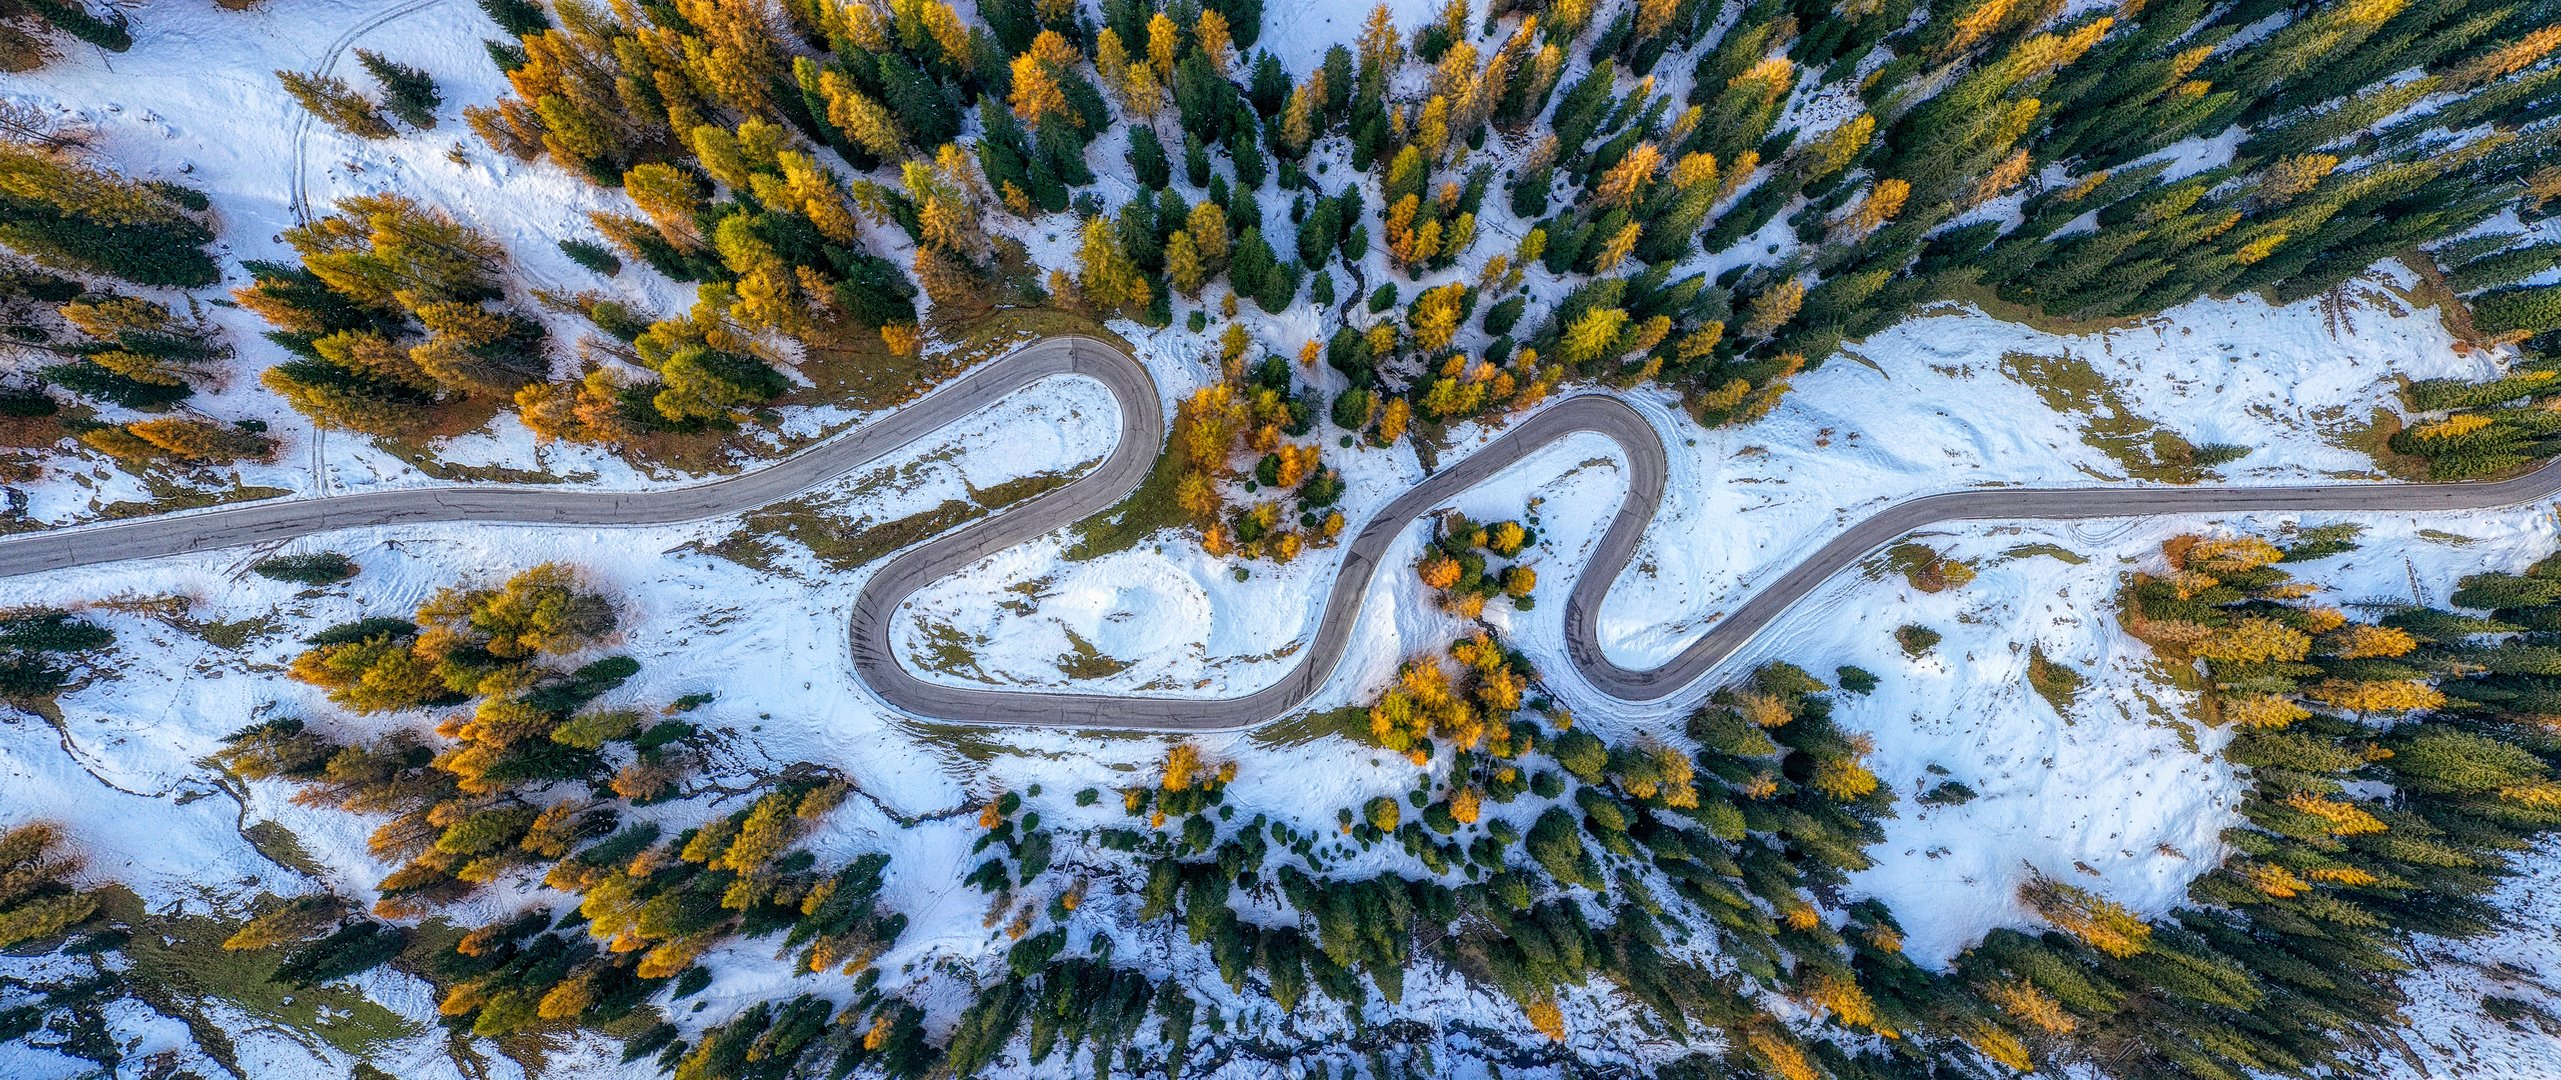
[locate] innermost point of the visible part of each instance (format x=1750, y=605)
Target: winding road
x=1142, y=433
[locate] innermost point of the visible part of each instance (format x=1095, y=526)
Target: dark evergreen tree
x=1195, y=160
x=408, y=92
x=1269, y=87
x=1244, y=20
x=75, y=217
x=1147, y=161
x=517, y=17
x=928, y=110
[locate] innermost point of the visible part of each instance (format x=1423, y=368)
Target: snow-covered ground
x=2457, y=989
x=1950, y=400
x=1298, y=32
x=126, y=778
x=2115, y=790
x=193, y=102
x=2118, y=791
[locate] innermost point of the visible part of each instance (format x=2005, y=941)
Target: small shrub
x=2211, y=455
x=1928, y=569
x=1353, y=409
x=27, y=403
x=592, y=255
x=2056, y=683
x=86, y=378
x=1856, y=680
x=1916, y=639
x=517, y=17
x=311, y=568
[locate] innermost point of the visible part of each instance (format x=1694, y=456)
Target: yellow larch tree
x=1212, y=35
x=1592, y=335
x=1837, y=148
x=2100, y=923
x=2391, y=695
x=1208, y=228
x=2255, y=640
x=2023, y=1001
x=2000, y=180
x=1772, y=308
x=868, y=122
x=1183, y=267
x=2342, y=818
x=1625, y=182
x=1879, y=206
x=2366, y=641
x=2266, y=712
x=1392, y=421
x=1616, y=249
x=1164, y=39
x=1036, y=94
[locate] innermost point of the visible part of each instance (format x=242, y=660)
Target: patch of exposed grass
x=996, y=332
x=169, y=496
x=843, y=544
x=43, y=432
x=2141, y=446
x=1928, y=569
x=855, y=370
x=1083, y=660
x=282, y=847
x=1349, y=722
x=1024, y=488
x=979, y=745
x=2431, y=291
x=2054, y=551
x=1989, y=301
x=2179, y=676
x=949, y=651
x=2057, y=683
x=2374, y=439
x=750, y=550
x=178, y=612
x=424, y=458
x=238, y=634
x=1149, y=508
x=1028, y=595
x=844, y=548
x=179, y=964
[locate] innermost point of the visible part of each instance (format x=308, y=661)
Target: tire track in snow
x=300, y=190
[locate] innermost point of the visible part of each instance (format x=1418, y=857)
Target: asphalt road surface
x=1142, y=434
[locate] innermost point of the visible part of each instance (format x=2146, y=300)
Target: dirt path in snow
x=1142, y=433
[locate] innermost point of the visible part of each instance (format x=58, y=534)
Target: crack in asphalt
x=1142, y=434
